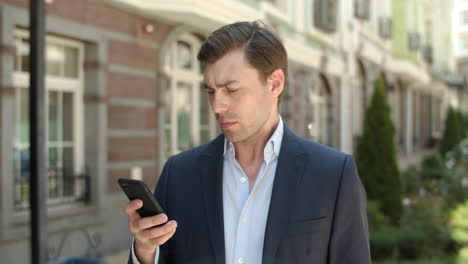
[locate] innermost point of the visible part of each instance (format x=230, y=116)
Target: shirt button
x=244, y=220
x=242, y=179
x=240, y=260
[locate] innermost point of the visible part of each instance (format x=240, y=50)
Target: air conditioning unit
x=385, y=27
x=325, y=14
x=414, y=41
x=362, y=9
x=428, y=54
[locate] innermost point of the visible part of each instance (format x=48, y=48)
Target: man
x=257, y=193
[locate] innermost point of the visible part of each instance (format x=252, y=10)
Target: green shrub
x=459, y=230
x=462, y=257
x=433, y=167
x=454, y=131
x=424, y=231
x=383, y=237
x=411, y=180
x=411, y=243
x=384, y=244
x=459, y=224
x=463, y=119
x=375, y=218
x=454, y=192
x=376, y=156
x=434, y=223
x=455, y=183
x=465, y=123
x=433, y=161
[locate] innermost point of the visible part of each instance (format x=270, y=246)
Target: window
x=436, y=117
x=278, y=3
x=403, y=114
x=416, y=120
x=325, y=14
x=64, y=85
x=464, y=43
x=286, y=104
x=464, y=18
x=429, y=27
x=317, y=113
x=362, y=9
x=410, y=15
x=187, y=117
x=360, y=99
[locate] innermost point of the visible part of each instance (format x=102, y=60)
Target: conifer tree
x=453, y=132
x=376, y=156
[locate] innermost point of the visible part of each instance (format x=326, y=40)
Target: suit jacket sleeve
x=350, y=237
x=161, y=193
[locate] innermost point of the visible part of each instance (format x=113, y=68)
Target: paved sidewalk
x=120, y=258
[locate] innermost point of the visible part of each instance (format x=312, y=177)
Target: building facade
x=460, y=50
x=124, y=94
x=460, y=36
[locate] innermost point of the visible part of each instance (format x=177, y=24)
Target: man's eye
x=210, y=91
x=232, y=90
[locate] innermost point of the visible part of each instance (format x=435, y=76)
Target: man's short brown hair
x=262, y=48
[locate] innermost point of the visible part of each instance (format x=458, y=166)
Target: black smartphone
x=135, y=189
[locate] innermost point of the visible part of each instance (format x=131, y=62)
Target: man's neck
x=251, y=150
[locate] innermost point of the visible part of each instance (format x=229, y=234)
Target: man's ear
x=276, y=80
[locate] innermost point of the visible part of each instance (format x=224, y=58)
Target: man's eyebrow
x=226, y=83
x=206, y=86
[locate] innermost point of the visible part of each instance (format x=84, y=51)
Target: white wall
x=460, y=6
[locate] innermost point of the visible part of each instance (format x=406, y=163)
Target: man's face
x=241, y=101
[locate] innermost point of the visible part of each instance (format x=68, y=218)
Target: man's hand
x=149, y=232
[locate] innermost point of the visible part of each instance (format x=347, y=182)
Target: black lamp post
x=37, y=133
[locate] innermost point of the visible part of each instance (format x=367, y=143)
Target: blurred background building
x=460, y=36
x=124, y=94
x=460, y=49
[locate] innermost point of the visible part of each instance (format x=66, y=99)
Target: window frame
x=279, y=9
x=317, y=98
x=463, y=42
x=313, y=31
x=194, y=77
x=464, y=18
x=20, y=81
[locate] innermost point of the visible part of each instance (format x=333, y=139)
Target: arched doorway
x=318, y=114
x=359, y=101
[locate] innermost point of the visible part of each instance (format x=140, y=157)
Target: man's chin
x=232, y=137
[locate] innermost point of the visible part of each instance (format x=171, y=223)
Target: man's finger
x=132, y=206
x=148, y=222
x=163, y=239
x=133, y=216
x=160, y=231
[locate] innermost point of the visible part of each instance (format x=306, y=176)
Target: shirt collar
x=273, y=145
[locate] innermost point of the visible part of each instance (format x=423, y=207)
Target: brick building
x=124, y=94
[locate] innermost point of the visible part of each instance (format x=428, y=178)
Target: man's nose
x=219, y=102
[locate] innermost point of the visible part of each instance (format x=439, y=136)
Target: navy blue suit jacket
x=317, y=213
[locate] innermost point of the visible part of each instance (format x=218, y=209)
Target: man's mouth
x=225, y=124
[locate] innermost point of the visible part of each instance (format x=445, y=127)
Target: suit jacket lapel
x=288, y=174
x=211, y=183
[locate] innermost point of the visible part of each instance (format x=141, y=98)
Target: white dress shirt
x=245, y=211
